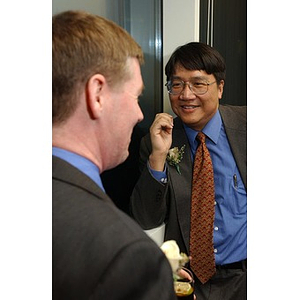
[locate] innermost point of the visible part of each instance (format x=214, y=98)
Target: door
x=223, y=25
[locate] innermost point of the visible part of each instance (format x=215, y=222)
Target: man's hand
x=161, y=140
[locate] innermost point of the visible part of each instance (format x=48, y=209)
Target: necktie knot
x=201, y=137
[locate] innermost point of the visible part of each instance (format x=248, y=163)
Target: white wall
x=92, y=6
x=180, y=26
x=104, y=8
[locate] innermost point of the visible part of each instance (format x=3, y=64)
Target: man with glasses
x=195, y=80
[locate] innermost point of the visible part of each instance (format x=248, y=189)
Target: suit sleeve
x=140, y=262
x=148, y=203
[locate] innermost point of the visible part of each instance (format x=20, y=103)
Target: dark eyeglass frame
x=169, y=87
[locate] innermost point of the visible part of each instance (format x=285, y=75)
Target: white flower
x=175, y=156
x=172, y=252
x=171, y=249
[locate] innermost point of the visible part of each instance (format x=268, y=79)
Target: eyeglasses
x=176, y=87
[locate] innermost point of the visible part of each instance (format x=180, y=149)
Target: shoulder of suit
x=66, y=174
x=233, y=116
x=233, y=109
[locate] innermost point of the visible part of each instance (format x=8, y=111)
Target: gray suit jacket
x=153, y=203
x=98, y=251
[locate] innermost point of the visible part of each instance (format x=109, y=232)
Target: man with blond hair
x=98, y=251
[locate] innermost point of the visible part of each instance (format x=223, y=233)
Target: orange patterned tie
x=202, y=214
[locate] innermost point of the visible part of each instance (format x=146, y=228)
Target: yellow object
x=183, y=288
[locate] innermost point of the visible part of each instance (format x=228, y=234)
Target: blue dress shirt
x=81, y=163
x=230, y=226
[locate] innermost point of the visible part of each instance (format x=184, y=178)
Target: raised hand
x=161, y=140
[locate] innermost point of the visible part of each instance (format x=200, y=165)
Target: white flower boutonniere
x=176, y=259
x=175, y=156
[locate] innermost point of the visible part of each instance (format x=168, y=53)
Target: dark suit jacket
x=98, y=251
x=153, y=203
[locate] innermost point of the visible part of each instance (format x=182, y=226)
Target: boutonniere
x=182, y=277
x=176, y=259
x=175, y=156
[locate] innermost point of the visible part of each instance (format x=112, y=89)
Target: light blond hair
x=84, y=44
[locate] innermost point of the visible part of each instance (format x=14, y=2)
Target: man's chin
x=119, y=160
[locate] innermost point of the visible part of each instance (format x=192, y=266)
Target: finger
x=161, y=127
x=162, y=123
x=182, y=273
x=167, y=129
x=164, y=116
x=164, y=119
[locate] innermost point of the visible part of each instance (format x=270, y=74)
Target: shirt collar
x=81, y=163
x=212, y=130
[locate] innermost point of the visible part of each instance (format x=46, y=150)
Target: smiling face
x=196, y=110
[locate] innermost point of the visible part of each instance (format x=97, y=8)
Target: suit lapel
x=182, y=182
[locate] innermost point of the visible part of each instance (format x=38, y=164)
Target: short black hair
x=197, y=56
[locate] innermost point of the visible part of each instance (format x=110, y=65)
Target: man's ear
x=94, y=95
x=221, y=88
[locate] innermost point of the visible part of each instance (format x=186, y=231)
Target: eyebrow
x=192, y=78
x=139, y=93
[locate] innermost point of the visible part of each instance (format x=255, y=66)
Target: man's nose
x=186, y=92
